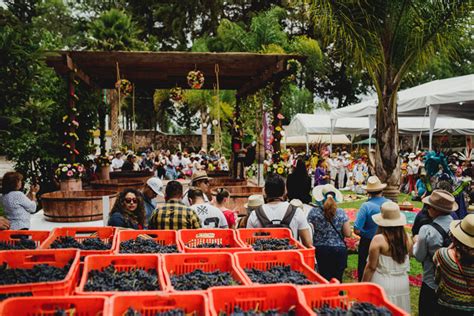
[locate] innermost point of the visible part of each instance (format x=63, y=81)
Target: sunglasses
x=131, y=200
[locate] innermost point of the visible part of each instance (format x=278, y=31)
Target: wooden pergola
x=245, y=73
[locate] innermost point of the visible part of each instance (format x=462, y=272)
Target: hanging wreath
x=293, y=67
x=124, y=87
x=195, y=79
x=176, y=95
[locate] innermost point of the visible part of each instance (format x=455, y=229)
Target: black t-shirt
x=422, y=218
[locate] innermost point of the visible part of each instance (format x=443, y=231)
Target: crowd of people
x=307, y=203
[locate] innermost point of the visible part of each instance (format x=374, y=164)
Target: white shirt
x=117, y=163
x=210, y=216
x=276, y=212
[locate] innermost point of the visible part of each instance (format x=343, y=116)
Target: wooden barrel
x=239, y=195
x=226, y=181
x=75, y=206
x=218, y=174
x=135, y=175
x=117, y=185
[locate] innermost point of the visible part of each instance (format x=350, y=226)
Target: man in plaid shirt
x=174, y=215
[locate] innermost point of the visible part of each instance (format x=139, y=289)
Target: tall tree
x=387, y=39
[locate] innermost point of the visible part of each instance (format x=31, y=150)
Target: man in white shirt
x=117, y=162
x=277, y=210
x=210, y=216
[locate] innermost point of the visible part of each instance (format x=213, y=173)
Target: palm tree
x=114, y=30
x=388, y=39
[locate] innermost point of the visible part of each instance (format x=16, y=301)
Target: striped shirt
x=174, y=216
x=453, y=290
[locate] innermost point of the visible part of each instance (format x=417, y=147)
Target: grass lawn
x=356, y=204
x=415, y=269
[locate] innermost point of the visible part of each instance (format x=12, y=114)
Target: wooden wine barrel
x=117, y=185
x=226, y=181
x=75, y=206
x=135, y=175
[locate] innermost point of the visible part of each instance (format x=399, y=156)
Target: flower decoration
x=103, y=161
x=280, y=116
x=195, y=79
x=293, y=66
x=278, y=128
x=176, y=95
x=281, y=168
x=70, y=171
x=124, y=87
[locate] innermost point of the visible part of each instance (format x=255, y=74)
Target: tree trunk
x=114, y=118
x=386, y=155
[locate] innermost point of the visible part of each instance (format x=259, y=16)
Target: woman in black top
x=298, y=184
x=128, y=210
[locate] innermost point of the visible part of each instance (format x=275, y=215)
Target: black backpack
x=443, y=233
x=284, y=222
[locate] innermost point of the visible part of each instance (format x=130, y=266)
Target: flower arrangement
x=252, y=171
x=195, y=79
x=280, y=168
x=103, y=161
x=70, y=171
x=176, y=95
x=124, y=87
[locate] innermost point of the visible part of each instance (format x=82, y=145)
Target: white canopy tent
x=302, y=140
x=305, y=125
x=453, y=97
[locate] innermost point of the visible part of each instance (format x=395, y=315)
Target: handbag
x=337, y=232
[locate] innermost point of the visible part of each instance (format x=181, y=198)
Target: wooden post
x=236, y=142
x=277, y=124
x=72, y=116
x=101, y=112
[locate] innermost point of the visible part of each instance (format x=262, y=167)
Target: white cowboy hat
x=411, y=155
x=441, y=200
x=320, y=192
x=374, y=184
x=254, y=200
x=463, y=230
x=390, y=215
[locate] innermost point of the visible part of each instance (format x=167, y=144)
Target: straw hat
x=320, y=192
x=441, y=200
x=374, y=184
x=254, y=200
x=463, y=230
x=199, y=175
x=412, y=155
x=390, y=215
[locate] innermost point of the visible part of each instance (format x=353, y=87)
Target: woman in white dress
x=388, y=263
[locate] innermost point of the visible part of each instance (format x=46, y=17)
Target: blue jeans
x=332, y=261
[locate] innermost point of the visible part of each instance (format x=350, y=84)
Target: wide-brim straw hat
x=374, y=184
x=442, y=201
x=390, y=215
x=199, y=175
x=412, y=155
x=463, y=230
x=320, y=192
x=254, y=200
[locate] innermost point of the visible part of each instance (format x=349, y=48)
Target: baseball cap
x=156, y=185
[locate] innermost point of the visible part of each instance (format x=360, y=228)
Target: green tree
x=387, y=39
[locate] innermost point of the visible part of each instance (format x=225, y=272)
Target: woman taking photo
x=17, y=206
x=455, y=270
x=388, y=263
x=128, y=210
x=330, y=225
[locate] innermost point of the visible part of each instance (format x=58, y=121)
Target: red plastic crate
x=163, y=237
x=193, y=303
x=264, y=260
x=122, y=262
x=248, y=236
x=12, y=236
x=344, y=295
x=262, y=297
x=106, y=234
x=190, y=238
x=26, y=259
x=47, y=305
x=177, y=264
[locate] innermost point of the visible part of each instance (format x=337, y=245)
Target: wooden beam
x=78, y=72
x=260, y=81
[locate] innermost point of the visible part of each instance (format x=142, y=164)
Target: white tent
x=301, y=140
x=453, y=97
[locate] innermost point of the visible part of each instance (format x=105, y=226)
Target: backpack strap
x=262, y=217
x=440, y=230
x=290, y=213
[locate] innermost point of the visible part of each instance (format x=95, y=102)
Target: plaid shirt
x=174, y=215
